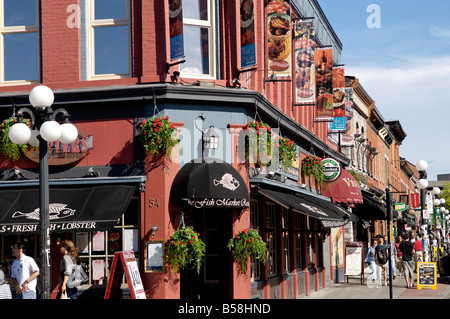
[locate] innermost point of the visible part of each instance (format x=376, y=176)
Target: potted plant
x=313, y=166
x=184, y=249
x=7, y=147
x=158, y=136
x=287, y=152
x=258, y=142
x=247, y=243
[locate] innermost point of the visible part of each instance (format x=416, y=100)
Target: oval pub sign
x=331, y=169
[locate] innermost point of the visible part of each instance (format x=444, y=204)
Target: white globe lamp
x=19, y=133
x=41, y=96
x=50, y=131
x=422, y=183
x=33, y=141
x=69, y=133
x=421, y=165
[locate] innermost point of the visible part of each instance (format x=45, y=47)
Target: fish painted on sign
x=56, y=211
x=227, y=181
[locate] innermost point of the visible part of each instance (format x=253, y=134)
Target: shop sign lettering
x=217, y=202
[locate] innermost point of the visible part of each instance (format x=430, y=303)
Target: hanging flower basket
x=356, y=176
x=184, y=249
x=287, y=152
x=8, y=148
x=258, y=141
x=313, y=166
x=248, y=243
x=158, y=135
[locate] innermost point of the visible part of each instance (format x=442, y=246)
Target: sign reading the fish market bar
x=331, y=169
x=63, y=154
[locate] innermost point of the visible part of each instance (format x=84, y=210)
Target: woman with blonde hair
x=70, y=258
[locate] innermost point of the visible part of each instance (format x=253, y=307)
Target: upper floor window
x=19, y=42
x=199, y=39
x=108, y=39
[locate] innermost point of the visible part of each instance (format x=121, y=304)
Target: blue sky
x=404, y=65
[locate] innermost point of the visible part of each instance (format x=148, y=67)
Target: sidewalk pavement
x=354, y=289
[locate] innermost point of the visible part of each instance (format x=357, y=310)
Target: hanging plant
x=258, y=141
x=158, y=136
x=184, y=249
x=7, y=147
x=356, y=176
x=248, y=243
x=313, y=166
x=287, y=152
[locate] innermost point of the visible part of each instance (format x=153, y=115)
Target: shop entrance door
x=213, y=280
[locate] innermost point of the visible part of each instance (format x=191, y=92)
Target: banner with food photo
x=304, y=62
x=279, y=37
x=324, y=83
x=248, y=56
x=176, y=29
x=347, y=132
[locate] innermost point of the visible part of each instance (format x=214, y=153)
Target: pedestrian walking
x=393, y=258
x=418, y=256
x=399, y=256
x=5, y=289
x=70, y=258
x=370, y=259
x=24, y=271
x=381, y=260
x=407, y=250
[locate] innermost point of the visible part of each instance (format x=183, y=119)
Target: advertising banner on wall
x=343, y=124
x=176, y=29
x=304, y=62
x=248, y=56
x=324, y=84
x=279, y=37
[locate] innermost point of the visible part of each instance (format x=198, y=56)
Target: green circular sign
x=331, y=169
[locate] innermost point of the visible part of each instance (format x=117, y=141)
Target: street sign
x=400, y=207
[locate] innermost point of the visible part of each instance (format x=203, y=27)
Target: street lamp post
x=45, y=130
x=422, y=184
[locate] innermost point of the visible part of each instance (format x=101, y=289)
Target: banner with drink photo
x=304, y=62
x=248, y=56
x=324, y=84
x=279, y=37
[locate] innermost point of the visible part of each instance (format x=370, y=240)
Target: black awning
x=72, y=208
x=308, y=205
x=209, y=182
x=371, y=209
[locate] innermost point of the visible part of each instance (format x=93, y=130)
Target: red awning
x=343, y=190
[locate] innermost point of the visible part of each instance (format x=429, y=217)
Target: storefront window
x=286, y=240
x=298, y=230
x=96, y=250
x=254, y=221
x=271, y=239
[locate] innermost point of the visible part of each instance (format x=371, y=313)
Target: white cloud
x=439, y=32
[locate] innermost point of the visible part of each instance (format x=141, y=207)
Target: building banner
x=338, y=92
x=345, y=128
x=304, y=62
x=324, y=84
x=279, y=37
x=176, y=29
x=248, y=56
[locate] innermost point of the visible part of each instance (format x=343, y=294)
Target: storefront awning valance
x=371, y=209
x=308, y=205
x=344, y=190
x=72, y=207
x=209, y=182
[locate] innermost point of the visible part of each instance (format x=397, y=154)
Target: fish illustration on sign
x=56, y=211
x=227, y=181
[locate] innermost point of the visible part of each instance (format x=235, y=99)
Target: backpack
x=381, y=256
